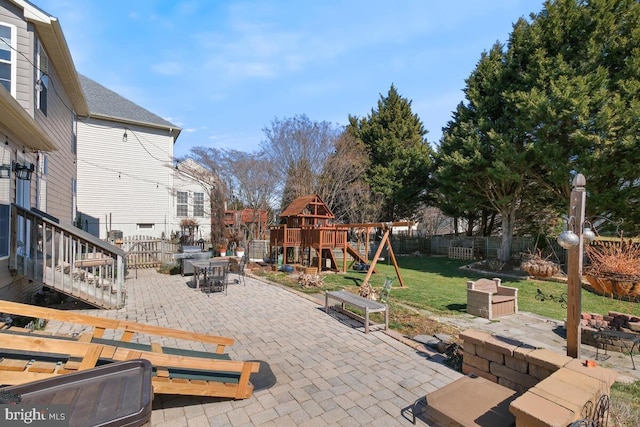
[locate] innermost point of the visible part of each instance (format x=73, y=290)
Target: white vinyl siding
x=8, y=57
x=123, y=184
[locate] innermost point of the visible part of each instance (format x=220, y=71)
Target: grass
x=438, y=285
x=625, y=404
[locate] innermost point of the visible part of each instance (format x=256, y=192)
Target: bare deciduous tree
x=207, y=172
x=248, y=180
x=341, y=184
x=298, y=148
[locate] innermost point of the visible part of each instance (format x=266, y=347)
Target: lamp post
x=574, y=266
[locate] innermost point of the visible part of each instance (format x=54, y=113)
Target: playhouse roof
x=308, y=206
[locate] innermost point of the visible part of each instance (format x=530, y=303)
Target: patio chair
x=239, y=270
x=489, y=299
x=216, y=278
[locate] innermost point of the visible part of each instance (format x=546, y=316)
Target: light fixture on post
x=568, y=239
x=573, y=240
x=23, y=171
x=588, y=234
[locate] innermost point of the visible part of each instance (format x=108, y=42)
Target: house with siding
x=40, y=101
x=192, y=191
x=126, y=172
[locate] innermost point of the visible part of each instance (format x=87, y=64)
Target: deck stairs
x=66, y=259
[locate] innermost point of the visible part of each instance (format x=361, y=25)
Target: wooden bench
x=364, y=304
x=488, y=298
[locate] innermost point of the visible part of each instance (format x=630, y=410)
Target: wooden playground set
x=308, y=235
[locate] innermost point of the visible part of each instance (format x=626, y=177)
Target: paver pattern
x=327, y=372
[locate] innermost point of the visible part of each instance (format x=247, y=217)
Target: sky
x=223, y=71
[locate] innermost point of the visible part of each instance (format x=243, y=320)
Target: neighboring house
x=40, y=99
x=125, y=168
x=252, y=223
x=192, y=195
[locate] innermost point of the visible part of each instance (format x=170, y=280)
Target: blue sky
x=223, y=70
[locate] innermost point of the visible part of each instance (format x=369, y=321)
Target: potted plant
x=239, y=251
x=221, y=246
x=535, y=265
x=614, y=267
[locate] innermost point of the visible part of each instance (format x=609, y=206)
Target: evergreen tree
x=400, y=162
x=562, y=98
x=581, y=103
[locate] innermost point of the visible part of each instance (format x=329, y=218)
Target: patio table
x=605, y=337
x=200, y=267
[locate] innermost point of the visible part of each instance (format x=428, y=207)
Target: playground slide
x=354, y=253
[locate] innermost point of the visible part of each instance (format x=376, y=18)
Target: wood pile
x=310, y=281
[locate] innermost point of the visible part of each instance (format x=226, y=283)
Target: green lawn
x=438, y=285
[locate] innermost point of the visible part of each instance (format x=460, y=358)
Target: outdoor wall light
x=5, y=171
x=23, y=171
x=5, y=168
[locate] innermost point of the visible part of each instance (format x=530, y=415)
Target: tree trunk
x=508, y=223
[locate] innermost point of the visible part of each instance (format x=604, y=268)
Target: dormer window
x=7, y=57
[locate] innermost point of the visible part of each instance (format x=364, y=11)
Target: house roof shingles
x=106, y=103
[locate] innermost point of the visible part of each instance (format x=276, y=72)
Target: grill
x=189, y=253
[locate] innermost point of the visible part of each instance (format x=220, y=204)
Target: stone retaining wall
x=554, y=389
x=508, y=362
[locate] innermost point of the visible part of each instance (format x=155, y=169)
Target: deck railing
x=66, y=258
x=326, y=237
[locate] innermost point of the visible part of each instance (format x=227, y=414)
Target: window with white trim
x=198, y=204
x=42, y=82
x=8, y=57
x=182, y=202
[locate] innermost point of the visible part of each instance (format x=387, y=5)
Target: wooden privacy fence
x=148, y=252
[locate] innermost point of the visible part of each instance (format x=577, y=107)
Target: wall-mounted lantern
x=23, y=171
x=5, y=171
x=5, y=168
